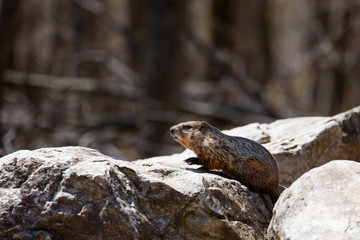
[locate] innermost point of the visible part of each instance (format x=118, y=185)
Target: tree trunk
x=9, y=15
x=164, y=66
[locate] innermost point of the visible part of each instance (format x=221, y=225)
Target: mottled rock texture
x=324, y=203
x=79, y=193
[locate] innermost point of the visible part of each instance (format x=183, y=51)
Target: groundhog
x=246, y=160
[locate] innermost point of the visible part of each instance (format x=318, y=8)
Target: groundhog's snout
x=174, y=132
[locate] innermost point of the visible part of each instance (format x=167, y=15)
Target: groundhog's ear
x=204, y=126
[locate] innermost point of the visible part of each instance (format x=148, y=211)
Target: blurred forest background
x=114, y=75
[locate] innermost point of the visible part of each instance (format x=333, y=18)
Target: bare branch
x=112, y=63
x=62, y=83
x=246, y=84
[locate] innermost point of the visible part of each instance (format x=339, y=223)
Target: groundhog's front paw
x=192, y=161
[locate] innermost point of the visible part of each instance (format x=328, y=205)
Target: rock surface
x=78, y=193
x=322, y=204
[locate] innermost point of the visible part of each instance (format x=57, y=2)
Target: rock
x=321, y=204
x=300, y=144
x=79, y=193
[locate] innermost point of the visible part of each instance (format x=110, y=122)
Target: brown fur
x=248, y=161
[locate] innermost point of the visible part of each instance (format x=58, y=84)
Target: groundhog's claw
x=192, y=161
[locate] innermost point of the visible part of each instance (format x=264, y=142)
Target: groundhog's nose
x=172, y=131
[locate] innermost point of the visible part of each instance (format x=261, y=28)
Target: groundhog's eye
x=186, y=127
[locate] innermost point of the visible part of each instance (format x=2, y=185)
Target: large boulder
x=79, y=193
x=322, y=204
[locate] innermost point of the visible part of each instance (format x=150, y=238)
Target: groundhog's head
x=192, y=135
